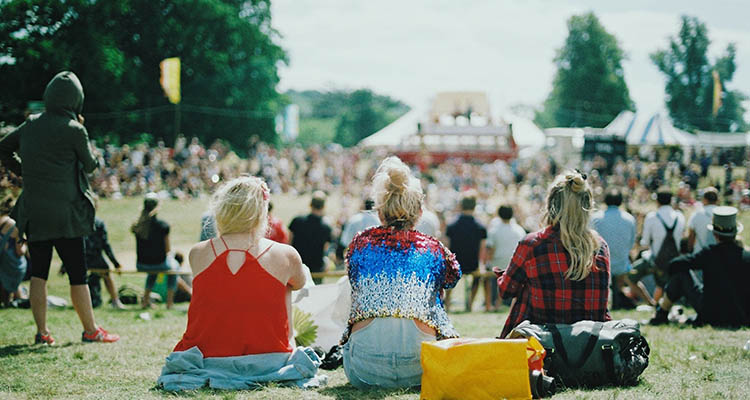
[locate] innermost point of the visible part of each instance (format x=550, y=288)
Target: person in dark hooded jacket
x=51, y=152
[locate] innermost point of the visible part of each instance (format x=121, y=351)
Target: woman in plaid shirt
x=561, y=273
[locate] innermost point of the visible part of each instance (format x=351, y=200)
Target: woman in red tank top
x=242, y=283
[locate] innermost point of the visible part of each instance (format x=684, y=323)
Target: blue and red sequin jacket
x=396, y=273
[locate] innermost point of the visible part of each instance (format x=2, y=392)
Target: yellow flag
x=170, y=78
x=717, y=92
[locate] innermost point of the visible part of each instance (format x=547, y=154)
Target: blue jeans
x=169, y=264
x=385, y=353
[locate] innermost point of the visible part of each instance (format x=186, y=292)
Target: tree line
x=229, y=54
x=343, y=116
x=589, y=86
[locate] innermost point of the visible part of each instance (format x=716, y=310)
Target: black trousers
x=686, y=284
x=71, y=252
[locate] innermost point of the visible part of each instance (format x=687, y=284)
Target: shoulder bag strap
x=669, y=230
x=560, y=347
x=608, y=355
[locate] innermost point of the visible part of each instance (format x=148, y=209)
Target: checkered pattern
x=536, y=277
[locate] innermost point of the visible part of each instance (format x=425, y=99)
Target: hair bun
x=576, y=182
x=398, y=178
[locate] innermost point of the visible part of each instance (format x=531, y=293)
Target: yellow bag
x=471, y=369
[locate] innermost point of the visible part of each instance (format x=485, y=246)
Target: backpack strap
x=669, y=230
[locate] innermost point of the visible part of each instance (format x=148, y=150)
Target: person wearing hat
x=721, y=299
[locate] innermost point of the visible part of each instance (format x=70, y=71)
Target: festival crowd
x=405, y=235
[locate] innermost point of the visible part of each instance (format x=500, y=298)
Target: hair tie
x=577, y=182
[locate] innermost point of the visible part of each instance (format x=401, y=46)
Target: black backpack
x=589, y=353
x=669, y=249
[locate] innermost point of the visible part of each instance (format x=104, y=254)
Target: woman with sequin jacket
x=398, y=277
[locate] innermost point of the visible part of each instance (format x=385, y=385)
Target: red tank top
x=237, y=314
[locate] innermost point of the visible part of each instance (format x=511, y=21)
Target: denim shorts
x=385, y=353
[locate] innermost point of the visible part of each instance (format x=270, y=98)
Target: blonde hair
x=241, y=206
x=569, y=205
x=398, y=194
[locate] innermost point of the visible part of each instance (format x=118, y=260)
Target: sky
x=412, y=49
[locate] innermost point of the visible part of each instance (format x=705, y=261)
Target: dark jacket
x=51, y=152
x=726, y=272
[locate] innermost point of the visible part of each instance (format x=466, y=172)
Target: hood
x=64, y=93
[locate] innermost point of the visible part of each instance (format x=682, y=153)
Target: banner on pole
x=717, y=93
x=170, y=78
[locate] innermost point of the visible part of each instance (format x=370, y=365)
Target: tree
x=589, y=87
x=342, y=116
x=690, y=82
x=227, y=48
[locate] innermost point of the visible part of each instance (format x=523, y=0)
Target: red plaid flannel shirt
x=536, y=278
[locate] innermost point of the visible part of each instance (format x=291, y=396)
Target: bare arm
x=20, y=244
x=297, y=279
x=482, y=256
x=691, y=240
x=489, y=255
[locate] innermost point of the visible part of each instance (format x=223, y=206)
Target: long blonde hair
x=398, y=194
x=569, y=205
x=241, y=206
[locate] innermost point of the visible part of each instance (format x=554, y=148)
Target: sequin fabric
x=395, y=273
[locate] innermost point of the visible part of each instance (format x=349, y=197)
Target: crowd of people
x=536, y=226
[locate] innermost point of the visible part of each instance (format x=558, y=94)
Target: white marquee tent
x=395, y=132
x=525, y=133
x=642, y=130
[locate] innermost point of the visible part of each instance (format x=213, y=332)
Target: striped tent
x=641, y=130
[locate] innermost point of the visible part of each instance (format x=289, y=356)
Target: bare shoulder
x=5, y=222
x=281, y=254
x=201, y=255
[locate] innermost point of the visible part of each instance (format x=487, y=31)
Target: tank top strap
x=264, y=251
x=225, y=243
x=212, y=246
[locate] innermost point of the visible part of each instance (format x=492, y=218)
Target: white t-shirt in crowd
x=654, y=232
x=699, y=222
x=504, y=238
x=358, y=223
x=428, y=224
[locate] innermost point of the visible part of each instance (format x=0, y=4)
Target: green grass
x=686, y=363
x=128, y=369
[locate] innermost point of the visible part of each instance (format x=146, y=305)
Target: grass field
x=686, y=363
